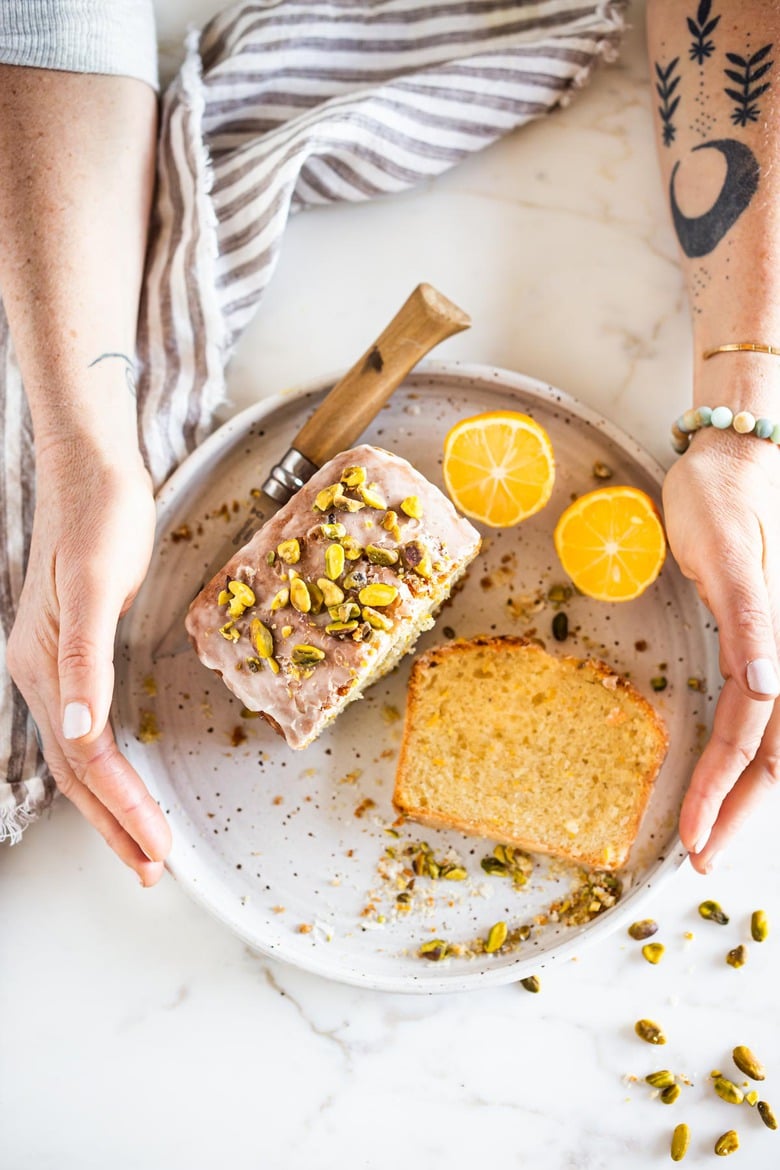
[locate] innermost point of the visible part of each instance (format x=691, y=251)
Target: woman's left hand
x=721, y=504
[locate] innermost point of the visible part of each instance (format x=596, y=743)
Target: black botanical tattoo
x=699, y=235
x=702, y=29
x=746, y=75
x=665, y=87
x=129, y=368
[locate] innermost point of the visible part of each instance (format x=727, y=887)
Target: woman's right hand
x=91, y=543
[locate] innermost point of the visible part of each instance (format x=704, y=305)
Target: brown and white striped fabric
x=283, y=105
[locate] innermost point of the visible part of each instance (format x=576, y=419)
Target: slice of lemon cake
x=553, y=754
x=332, y=590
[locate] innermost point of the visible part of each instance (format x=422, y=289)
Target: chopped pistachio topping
x=242, y=593
x=341, y=627
x=371, y=494
x=333, y=531
x=289, y=551
x=223, y=597
x=334, y=561
x=331, y=593
x=381, y=556
x=353, y=476
x=378, y=594
x=300, y=596
x=262, y=638
x=352, y=549
x=305, y=655
x=229, y=632
x=324, y=499
x=377, y=620
x=280, y=600
x=412, y=507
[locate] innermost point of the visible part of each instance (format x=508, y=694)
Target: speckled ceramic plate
x=289, y=848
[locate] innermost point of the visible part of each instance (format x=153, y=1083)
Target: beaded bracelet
x=721, y=417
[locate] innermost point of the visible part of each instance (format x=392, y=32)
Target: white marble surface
x=137, y=1033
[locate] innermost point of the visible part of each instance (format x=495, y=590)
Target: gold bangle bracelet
x=736, y=346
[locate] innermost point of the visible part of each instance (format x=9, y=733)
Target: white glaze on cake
x=301, y=701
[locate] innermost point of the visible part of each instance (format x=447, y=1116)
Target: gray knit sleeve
x=81, y=36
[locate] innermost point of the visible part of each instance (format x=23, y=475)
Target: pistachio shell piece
x=737, y=956
x=670, y=1094
x=289, y=551
x=680, y=1141
x=650, y=1032
x=643, y=929
x=435, y=949
x=305, y=655
x=412, y=507
x=299, y=595
x=331, y=593
x=531, y=983
x=496, y=937
x=748, y=1063
x=767, y=1115
x=714, y=912
x=759, y=926
x=334, y=561
x=661, y=1079
x=728, y=1091
x=727, y=1143
x=653, y=952
x=378, y=595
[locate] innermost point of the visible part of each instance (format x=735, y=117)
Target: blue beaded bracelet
x=721, y=417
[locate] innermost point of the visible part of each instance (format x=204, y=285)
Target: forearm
x=716, y=90
x=76, y=178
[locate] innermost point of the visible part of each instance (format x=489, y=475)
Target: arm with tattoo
x=716, y=76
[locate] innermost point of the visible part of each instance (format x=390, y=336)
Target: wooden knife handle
x=424, y=320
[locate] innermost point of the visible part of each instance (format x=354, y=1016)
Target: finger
x=739, y=599
x=103, y=771
x=94, y=811
x=88, y=621
x=737, y=732
x=758, y=779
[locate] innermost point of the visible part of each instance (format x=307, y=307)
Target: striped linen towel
x=280, y=106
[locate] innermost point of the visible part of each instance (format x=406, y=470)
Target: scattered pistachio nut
x=229, y=632
x=377, y=595
x=390, y=524
x=353, y=476
x=728, y=1091
x=332, y=594
x=341, y=627
x=759, y=926
x=355, y=580
x=767, y=1114
x=305, y=655
x=680, y=1141
x=377, y=620
x=661, y=1079
x=317, y=597
x=353, y=550
x=560, y=626
x=281, y=599
x=371, y=494
x=670, y=1094
x=727, y=1143
x=262, y=638
x=653, y=952
x=412, y=507
x=333, y=531
x=334, y=561
x=748, y=1063
x=496, y=937
x=300, y=596
x=347, y=611
x=751, y=1098
x=381, y=556
x=223, y=597
x=737, y=956
x=289, y=551
x=435, y=950
x=453, y=873
x=714, y=912
x=645, y=928
x=286, y=631
x=324, y=499
x=650, y=1032
x=531, y=983
x=242, y=593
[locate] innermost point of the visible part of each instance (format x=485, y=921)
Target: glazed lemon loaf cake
x=553, y=754
x=332, y=590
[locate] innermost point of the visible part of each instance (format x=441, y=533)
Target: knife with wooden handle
x=425, y=319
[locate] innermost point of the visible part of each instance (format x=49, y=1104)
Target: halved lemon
x=499, y=467
x=611, y=543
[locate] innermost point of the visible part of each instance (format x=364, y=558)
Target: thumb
x=86, y=662
x=740, y=602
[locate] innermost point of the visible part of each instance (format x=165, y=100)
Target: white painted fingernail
x=712, y=862
x=701, y=843
x=76, y=721
x=762, y=677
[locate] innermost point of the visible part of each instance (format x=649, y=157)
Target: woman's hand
x=721, y=503
x=91, y=543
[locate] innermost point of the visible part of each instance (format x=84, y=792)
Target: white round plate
x=284, y=846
